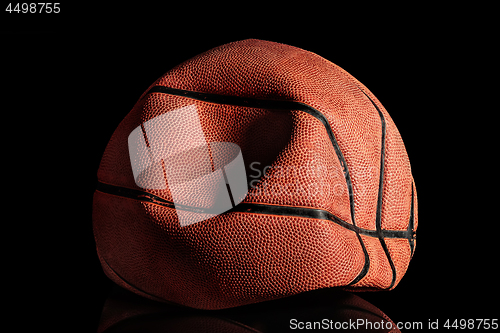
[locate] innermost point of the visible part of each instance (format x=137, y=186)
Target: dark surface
x=69, y=85
x=330, y=309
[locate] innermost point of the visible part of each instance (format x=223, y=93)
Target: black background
x=69, y=81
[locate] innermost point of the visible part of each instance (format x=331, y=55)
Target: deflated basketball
x=251, y=172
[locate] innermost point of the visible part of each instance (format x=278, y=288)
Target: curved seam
x=252, y=208
x=267, y=104
x=279, y=104
x=411, y=222
x=378, y=221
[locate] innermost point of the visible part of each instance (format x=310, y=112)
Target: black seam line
x=280, y=104
x=228, y=187
x=410, y=233
x=253, y=208
x=267, y=104
x=378, y=221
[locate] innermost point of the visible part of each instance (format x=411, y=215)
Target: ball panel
x=231, y=259
x=379, y=275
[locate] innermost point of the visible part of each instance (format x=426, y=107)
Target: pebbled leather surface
x=238, y=258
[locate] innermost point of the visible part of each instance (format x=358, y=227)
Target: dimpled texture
x=238, y=258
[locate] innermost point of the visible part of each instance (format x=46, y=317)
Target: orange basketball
x=251, y=172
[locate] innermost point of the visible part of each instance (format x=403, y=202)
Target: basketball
x=252, y=172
